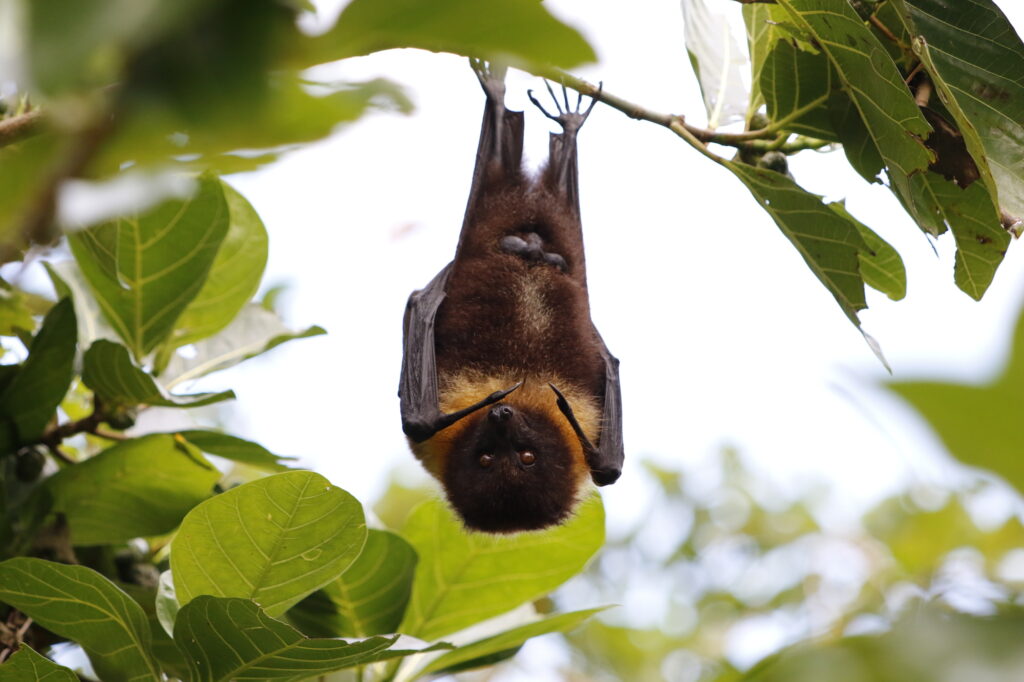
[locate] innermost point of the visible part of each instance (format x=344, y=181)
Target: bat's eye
x=486, y=460
x=527, y=458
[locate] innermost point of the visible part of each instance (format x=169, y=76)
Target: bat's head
x=515, y=467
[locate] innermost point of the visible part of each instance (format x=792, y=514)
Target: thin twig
x=883, y=29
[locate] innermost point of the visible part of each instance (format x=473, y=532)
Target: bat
x=509, y=396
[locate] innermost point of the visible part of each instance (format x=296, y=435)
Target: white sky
x=724, y=334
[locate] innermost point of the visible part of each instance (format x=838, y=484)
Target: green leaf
x=165, y=605
x=880, y=264
x=109, y=371
x=165, y=651
x=369, y=598
x=137, y=488
x=874, y=84
x=830, y=244
x=235, y=449
x=234, y=276
x=510, y=639
x=981, y=242
x=15, y=315
x=80, y=604
x=717, y=61
x=764, y=28
x=69, y=282
x=233, y=639
x=253, y=332
x=274, y=540
x=463, y=578
x=146, y=269
x=27, y=167
x=796, y=80
x=31, y=397
x=517, y=32
x=976, y=61
x=26, y=664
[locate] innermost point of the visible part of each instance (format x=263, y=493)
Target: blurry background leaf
x=369, y=598
x=718, y=61
x=235, y=449
x=253, y=332
x=464, y=577
x=521, y=32
x=137, y=488
x=274, y=540
x=142, y=285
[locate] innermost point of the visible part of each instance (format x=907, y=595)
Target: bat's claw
x=570, y=118
x=491, y=77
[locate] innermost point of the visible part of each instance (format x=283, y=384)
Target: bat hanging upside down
x=509, y=396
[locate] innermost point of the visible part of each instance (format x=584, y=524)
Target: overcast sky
x=724, y=334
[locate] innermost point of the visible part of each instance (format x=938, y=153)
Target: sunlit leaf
x=253, y=332
x=273, y=540
x=137, y=488
x=167, y=654
x=369, y=598
x=30, y=398
x=464, y=577
x=235, y=449
x=109, y=371
x=509, y=29
x=69, y=282
x=26, y=664
x=78, y=603
x=146, y=269
x=717, y=60
x=510, y=639
x=234, y=276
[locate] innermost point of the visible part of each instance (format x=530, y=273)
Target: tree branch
x=20, y=127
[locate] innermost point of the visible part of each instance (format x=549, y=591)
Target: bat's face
x=513, y=469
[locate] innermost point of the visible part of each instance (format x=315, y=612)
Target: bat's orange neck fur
x=465, y=388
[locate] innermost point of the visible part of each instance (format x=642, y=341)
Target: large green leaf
x=976, y=61
x=26, y=170
x=234, y=276
x=273, y=540
x=137, y=488
x=233, y=639
x=146, y=269
x=764, y=24
x=31, y=397
x=369, y=598
x=165, y=651
x=510, y=29
x=69, y=282
x=109, y=371
x=830, y=244
x=462, y=657
x=253, y=332
x=236, y=449
x=80, y=604
x=463, y=577
x=873, y=83
x=26, y=664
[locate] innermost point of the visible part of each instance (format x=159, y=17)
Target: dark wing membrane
x=417, y=388
x=606, y=461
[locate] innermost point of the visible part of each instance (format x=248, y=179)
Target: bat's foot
x=571, y=119
x=530, y=247
x=491, y=77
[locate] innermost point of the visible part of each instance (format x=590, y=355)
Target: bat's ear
x=601, y=475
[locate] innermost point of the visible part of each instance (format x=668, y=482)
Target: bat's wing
x=500, y=152
x=606, y=459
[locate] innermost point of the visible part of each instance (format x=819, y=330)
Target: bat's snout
x=500, y=414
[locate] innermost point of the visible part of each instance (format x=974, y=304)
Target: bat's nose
x=500, y=413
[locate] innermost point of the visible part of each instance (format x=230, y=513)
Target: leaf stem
x=20, y=127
